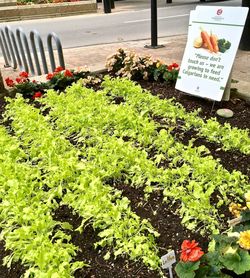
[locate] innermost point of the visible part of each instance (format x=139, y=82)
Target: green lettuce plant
x=26, y=224
x=99, y=127
x=229, y=138
x=102, y=206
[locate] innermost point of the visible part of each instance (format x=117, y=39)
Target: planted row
x=192, y=175
x=81, y=187
x=26, y=223
x=212, y=130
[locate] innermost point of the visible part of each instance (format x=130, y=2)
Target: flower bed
x=32, y=11
x=115, y=177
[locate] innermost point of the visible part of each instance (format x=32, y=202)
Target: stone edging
x=13, y=13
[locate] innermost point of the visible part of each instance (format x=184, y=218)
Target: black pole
x=245, y=38
x=112, y=3
x=107, y=6
x=154, y=35
x=154, y=23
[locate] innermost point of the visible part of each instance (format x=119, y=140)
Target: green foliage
x=186, y=270
x=229, y=138
x=98, y=203
x=111, y=142
x=100, y=125
x=25, y=221
x=225, y=253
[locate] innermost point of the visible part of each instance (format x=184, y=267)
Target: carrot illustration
x=204, y=45
x=206, y=40
x=214, y=42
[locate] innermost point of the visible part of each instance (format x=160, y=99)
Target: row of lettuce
x=110, y=142
x=228, y=137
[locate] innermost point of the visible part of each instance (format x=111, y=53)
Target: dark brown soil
x=99, y=268
x=17, y=269
x=240, y=108
x=162, y=217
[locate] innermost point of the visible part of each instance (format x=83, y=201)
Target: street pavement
x=94, y=57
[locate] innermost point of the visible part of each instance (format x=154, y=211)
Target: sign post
x=107, y=6
x=213, y=40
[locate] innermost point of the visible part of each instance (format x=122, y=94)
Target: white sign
x=213, y=39
x=168, y=259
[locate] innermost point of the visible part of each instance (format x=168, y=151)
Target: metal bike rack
x=16, y=51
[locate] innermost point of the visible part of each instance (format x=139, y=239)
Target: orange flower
x=190, y=252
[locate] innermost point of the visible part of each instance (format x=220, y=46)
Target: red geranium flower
x=10, y=82
x=68, y=73
x=58, y=69
x=19, y=80
x=37, y=95
x=175, y=65
x=190, y=252
x=170, y=67
x=49, y=76
x=24, y=74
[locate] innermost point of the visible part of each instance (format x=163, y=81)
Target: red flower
x=190, y=252
x=34, y=81
x=68, y=73
x=49, y=76
x=58, y=69
x=19, y=80
x=24, y=74
x=175, y=65
x=170, y=67
x=9, y=82
x=37, y=95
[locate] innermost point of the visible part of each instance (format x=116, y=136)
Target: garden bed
x=24, y=12
x=120, y=150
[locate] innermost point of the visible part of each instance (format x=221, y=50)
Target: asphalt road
x=120, y=25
